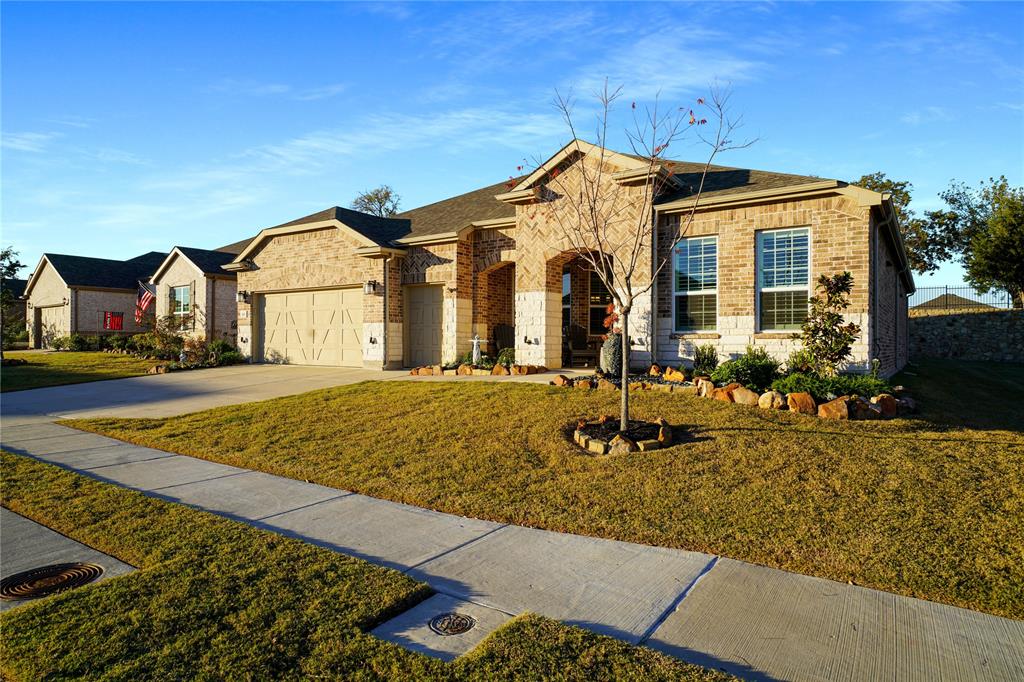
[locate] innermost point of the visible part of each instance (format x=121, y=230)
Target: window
x=181, y=305
x=695, y=284
x=113, y=321
x=566, y=298
x=783, y=278
x=600, y=299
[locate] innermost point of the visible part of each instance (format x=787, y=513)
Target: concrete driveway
x=166, y=395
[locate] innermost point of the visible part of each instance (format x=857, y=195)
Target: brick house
x=81, y=295
x=192, y=286
x=343, y=288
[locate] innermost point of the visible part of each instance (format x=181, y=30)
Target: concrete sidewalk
x=756, y=622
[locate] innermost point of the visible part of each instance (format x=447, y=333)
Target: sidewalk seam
x=678, y=601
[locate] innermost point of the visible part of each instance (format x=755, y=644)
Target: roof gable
x=207, y=262
x=99, y=273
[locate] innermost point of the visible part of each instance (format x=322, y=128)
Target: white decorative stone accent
x=245, y=340
x=539, y=328
x=373, y=344
x=456, y=327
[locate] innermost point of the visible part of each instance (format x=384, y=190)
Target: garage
x=321, y=327
x=423, y=325
x=51, y=322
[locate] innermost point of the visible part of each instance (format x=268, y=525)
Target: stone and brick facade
x=499, y=254
x=212, y=309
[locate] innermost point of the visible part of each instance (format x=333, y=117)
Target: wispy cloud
x=928, y=115
x=34, y=143
x=245, y=88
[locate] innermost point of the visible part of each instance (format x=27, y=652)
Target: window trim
x=591, y=274
x=182, y=317
x=758, y=289
x=676, y=329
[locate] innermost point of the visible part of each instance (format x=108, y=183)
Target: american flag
x=146, y=297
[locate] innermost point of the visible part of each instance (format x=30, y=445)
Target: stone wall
x=996, y=335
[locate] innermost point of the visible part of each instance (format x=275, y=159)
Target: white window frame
x=676, y=329
x=181, y=316
x=591, y=275
x=758, y=272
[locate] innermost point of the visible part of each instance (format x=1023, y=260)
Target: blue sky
x=135, y=127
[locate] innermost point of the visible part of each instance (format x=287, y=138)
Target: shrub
x=60, y=343
x=77, y=342
x=21, y=336
x=828, y=340
x=755, y=369
x=119, y=342
x=705, y=359
x=828, y=388
x=507, y=357
x=230, y=357
x=801, y=360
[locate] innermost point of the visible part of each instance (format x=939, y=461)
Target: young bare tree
x=381, y=201
x=611, y=225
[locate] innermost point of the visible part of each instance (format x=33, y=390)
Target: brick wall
x=889, y=305
x=839, y=240
x=181, y=273
x=995, y=336
x=89, y=305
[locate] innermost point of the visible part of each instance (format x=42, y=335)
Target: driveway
x=167, y=395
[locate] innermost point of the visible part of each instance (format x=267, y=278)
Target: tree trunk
x=624, y=375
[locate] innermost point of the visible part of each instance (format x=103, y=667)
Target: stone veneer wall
x=996, y=335
x=839, y=232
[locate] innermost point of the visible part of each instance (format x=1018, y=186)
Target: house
x=193, y=288
x=81, y=295
x=949, y=301
x=344, y=288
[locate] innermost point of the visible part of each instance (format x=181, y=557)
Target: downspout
x=384, y=332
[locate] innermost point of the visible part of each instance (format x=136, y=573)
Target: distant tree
x=9, y=267
x=924, y=253
x=382, y=201
x=985, y=228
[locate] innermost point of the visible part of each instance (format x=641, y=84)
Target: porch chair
x=580, y=351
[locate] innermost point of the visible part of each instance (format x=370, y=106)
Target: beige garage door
x=423, y=325
x=51, y=324
x=323, y=327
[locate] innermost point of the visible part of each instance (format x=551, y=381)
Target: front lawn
x=216, y=599
x=58, y=368
x=931, y=507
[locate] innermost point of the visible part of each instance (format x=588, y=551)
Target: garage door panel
x=423, y=324
x=314, y=327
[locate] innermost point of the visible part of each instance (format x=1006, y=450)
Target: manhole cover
x=452, y=624
x=40, y=582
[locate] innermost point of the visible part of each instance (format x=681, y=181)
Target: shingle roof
x=235, y=248
x=457, y=212
x=83, y=271
x=15, y=286
x=209, y=262
x=725, y=180
x=380, y=230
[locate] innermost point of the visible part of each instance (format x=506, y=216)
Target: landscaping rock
x=771, y=400
x=598, y=447
x=664, y=388
x=621, y=445
x=802, y=403
x=639, y=386
x=465, y=370
x=890, y=408
x=425, y=371
x=673, y=375
x=583, y=383
x=437, y=370
x=648, y=445
x=530, y=369
x=700, y=377
x=605, y=418
x=863, y=410
x=744, y=396
x=906, y=405
x=723, y=394
x=451, y=372
x=655, y=371
x=705, y=387
x=835, y=409
x=560, y=380
x=478, y=372
x=499, y=371
x=157, y=369
x=412, y=372
x=605, y=385
x=685, y=390
x=541, y=369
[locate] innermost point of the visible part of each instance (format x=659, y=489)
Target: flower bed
x=602, y=437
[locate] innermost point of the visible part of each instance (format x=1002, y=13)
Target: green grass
x=56, y=369
x=931, y=507
x=216, y=599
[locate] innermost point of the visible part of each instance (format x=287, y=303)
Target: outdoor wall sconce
x=242, y=297
x=371, y=287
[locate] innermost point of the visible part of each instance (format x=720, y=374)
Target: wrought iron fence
x=959, y=298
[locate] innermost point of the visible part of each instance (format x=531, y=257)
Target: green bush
x=507, y=357
x=60, y=343
x=118, y=342
x=827, y=388
x=705, y=360
x=801, y=360
x=755, y=369
x=77, y=342
x=231, y=357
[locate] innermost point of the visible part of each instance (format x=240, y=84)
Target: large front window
x=783, y=278
x=181, y=305
x=600, y=299
x=695, y=284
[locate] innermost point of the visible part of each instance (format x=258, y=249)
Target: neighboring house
x=952, y=302
x=81, y=295
x=319, y=289
x=192, y=286
x=14, y=312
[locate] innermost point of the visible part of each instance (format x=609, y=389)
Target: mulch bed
x=636, y=432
